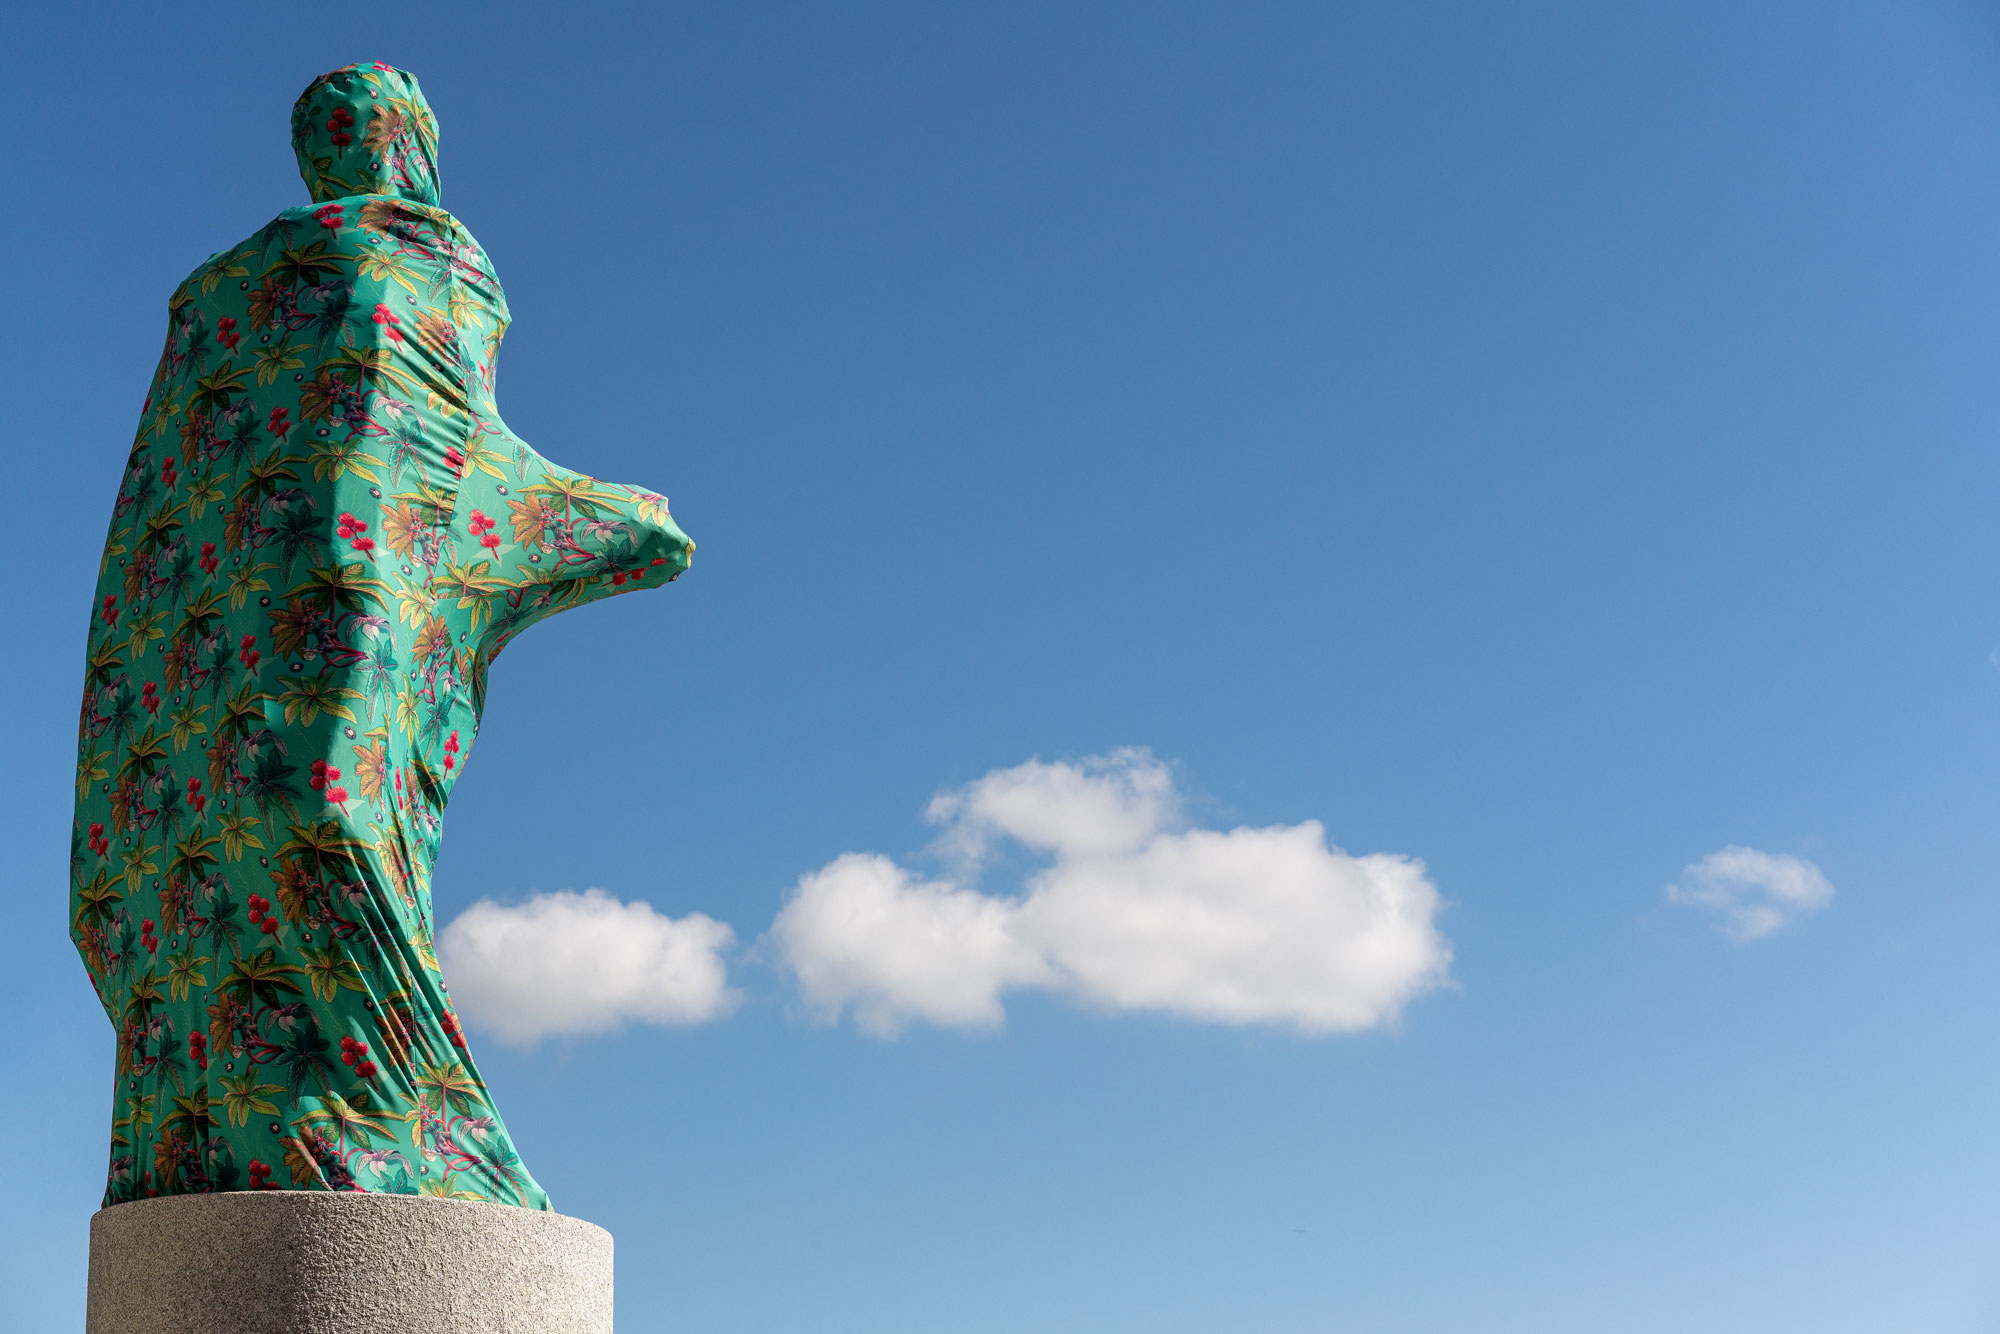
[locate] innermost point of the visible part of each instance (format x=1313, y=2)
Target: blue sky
x=1551, y=442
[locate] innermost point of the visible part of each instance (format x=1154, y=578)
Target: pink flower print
x=247, y=653
x=322, y=774
x=351, y=529
x=387, y=319
x=149, y=698
x=170, y=472
x=453, y=459
x=280, y=424
x=328, y=216
x=340, y=122
x=225, y=333
x=355, y=1054
x=110, y=612
x=482, y=528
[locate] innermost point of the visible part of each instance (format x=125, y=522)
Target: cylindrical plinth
x=317, y=1262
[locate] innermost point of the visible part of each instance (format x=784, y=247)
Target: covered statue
x=324, y=536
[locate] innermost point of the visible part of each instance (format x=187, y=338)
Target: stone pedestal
x=317, y=1262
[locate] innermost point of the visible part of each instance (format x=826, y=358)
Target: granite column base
x=316, y=1262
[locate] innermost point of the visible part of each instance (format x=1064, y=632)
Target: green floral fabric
x=324, y=536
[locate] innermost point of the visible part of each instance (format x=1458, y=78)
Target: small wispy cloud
x=568, y=963
x=1137, y=912
x=1750, y=893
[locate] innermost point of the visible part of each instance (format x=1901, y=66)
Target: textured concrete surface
x=315, y=1262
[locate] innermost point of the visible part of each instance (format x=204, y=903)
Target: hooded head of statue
x=365, y=129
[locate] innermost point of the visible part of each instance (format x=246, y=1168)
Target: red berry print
x=482, y=528
x=387, y=319
x=352, y=531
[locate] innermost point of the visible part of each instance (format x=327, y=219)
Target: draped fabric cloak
x=324, y=535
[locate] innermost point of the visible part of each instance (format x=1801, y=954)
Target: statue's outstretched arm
x=538, y=538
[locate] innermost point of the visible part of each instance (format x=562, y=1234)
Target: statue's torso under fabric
x=323, y=536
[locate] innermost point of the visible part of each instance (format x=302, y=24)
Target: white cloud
x=1752, y=893
x=1108, y=803
x=862, y=931
x=569, y=963
x=1135, y=913
x=1252, y=925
